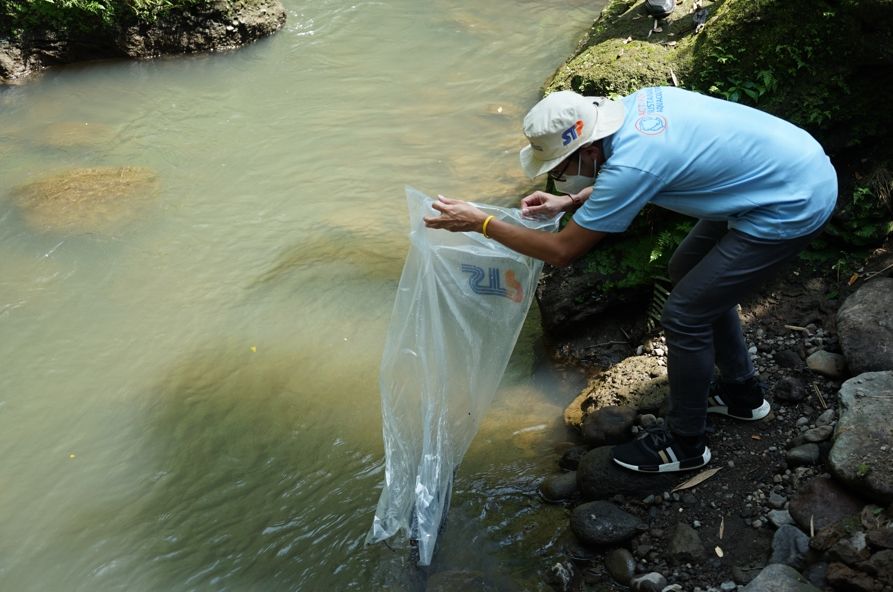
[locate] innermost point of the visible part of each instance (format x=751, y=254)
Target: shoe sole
x=673, y=467
x=755, y=414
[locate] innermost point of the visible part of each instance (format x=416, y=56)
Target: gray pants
x=712, y=270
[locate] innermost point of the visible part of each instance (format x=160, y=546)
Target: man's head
x=563, y=122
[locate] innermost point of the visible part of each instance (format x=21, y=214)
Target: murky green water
x=189, y=396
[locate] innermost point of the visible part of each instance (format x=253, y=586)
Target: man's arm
x=559, y=249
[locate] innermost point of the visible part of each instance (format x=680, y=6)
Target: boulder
x=779, y=578
x=865, y=327
x=599, y=477
x=789, y=546
x=685, y=545
x=822, y=502
x=826, y=363
x=608, y=425
x=638, y=381
x=863, y=440
x=602, y=523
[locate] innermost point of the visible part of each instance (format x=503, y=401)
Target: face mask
x=574, y=184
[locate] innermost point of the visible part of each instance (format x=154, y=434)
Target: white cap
x=562, y=122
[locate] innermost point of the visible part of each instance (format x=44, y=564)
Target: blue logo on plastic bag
x=494, y=287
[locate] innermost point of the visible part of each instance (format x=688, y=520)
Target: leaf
x=697, y=479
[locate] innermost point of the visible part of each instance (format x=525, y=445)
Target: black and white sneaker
x=742, y=401
x=659, y=451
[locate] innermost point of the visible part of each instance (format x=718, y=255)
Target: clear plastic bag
x=460, y=306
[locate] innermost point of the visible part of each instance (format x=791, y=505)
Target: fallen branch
x=818, y=394
x=874, y=274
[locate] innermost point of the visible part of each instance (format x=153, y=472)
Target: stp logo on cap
x=572, y=133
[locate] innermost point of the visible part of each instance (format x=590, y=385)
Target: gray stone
x=819, y=434
x=824, y=502
x=777, y=501
x=863, y=442
x=805, y=454
x=685, y=544
x=649, y=582
x=559, y=487
x=827, y=363
x=865, y=327
x=621, y=565
x=608, y=425
x=789, y=546
x=826, y=418
x=599, y=477
x=780, y=517
x=779, y=578
x=602, y=523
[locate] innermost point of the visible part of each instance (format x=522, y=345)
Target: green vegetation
x=82, y=16
x=825, y=65
x=862, y=470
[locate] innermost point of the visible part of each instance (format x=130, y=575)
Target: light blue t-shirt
x=713, y=160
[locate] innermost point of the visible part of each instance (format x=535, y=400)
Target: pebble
x=807, y=454
x=649, y=582
x=621, y=565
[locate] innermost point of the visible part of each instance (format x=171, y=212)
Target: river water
x=189, y=395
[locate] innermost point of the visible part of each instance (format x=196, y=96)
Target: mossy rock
x=87, y=199
x=615, y=68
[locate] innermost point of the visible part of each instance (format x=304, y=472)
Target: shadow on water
x=242, y=486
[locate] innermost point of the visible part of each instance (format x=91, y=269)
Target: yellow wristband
x=484, y=228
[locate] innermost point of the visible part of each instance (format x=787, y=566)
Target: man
x=760, y=187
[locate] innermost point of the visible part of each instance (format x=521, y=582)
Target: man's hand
x=540, y=204
x=456, y=216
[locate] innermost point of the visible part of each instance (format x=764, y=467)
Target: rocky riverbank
x=202, y=27
x=802, y=500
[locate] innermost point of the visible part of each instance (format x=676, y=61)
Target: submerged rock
x=86, y=200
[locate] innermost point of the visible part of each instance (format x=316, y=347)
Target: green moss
x=615, y=68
